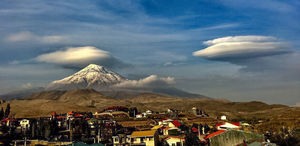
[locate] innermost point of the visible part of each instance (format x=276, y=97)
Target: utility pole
x=25, y=136
x=71, y=132
x=199, y=131
x=99, y=130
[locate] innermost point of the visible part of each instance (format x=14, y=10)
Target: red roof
x=220, y=124
x=78, y=115
x=71, y=113
x=176, y=123
x=53, y=114
x=236, y=124
x=8, y=119
x=60, y=117
x=166, y=128
x=194, y=129
x=214, y=134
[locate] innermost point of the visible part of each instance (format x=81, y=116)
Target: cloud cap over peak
x=78, y=57
x=242, y=47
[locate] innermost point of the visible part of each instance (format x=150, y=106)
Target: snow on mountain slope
x=92, y=76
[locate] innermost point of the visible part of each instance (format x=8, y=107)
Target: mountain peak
x=96, y=68
x=92, y=76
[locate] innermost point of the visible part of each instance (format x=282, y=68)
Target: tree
x=1, y=114
x=191, y=140
x=7, y=111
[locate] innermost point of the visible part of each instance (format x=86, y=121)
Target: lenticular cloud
x=242, y=47
x=80, y=57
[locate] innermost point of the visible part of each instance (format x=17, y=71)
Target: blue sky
x=138, y=38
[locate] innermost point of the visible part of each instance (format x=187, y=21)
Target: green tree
x=191, y=139
x=1, y=114
x=7, y=111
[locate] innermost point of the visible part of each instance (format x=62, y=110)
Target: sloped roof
x=61, y=117
x=176, y=123
x=170, y=128
x=214, y=134
x=194, y=129
x=236, y=124
x=220, y=124
x=8, y=119
x=143, y=133
x=156, y=127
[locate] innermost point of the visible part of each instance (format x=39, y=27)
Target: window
x=150, y=138
x=117, y=139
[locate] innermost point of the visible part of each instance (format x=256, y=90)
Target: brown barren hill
x=43, y=103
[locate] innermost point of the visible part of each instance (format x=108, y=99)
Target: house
x=174, y=140
x=174, y=124
x=227, y=125
x=195, y=111
x=9, y=122
x=171, y=110
x=25, y=124
x=139, y=116
x=171, y=131
x=149, y=112
x=146, y=138
x=53, y=116
x=121, y=139
x=224, y=118
x=169, y=123
x=165, y=122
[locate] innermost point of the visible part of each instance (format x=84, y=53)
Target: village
x=123, y=126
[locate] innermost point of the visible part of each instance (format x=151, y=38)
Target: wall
x=234, y=137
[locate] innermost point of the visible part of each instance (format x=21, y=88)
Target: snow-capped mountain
x=103, y=80
x=92, y=76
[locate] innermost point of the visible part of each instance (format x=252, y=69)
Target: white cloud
x=241, y=47
x=29, y=36
x=21, y=36
x=148, y=82
x=80, y=57
x=26, y=86
x=248, y=38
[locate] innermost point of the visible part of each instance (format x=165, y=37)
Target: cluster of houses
x=103, y=127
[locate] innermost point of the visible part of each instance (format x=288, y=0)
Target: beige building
x=137, y=138
x=174, y=141
x=146, y=138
